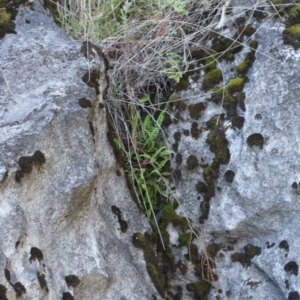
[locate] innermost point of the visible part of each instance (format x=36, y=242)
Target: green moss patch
x=291, y=36
x=212, y=78
x=200, y=289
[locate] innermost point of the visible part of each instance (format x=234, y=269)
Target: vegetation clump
x=192, y=162
x=196, y=110
x=212, y=78
x=200, y=289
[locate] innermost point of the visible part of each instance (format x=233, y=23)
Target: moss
x=210, y=63
x=252, y=251
x=168, y=215
x=245, y=65
x=247, y=30
x=182, y=85
x=196, y=110
x=294, y=15
x=213, y=249
x=291, y=36
x=238, y=122
x=221, y=43
x=212, y=78
x=201, y=187
x=200, y=289
x=185, y=239
x=253, y=45
x=242, y=258
x=138, y=240
x=174, y=97
x=157, y=278
x=235, y=85
x=192, y=162
x=210, y=173
x=205, y=207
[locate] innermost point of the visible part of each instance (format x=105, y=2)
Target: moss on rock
x=200, y=289
x=192, y=162
x=212, y=78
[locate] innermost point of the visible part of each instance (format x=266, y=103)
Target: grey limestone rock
x=55, y=216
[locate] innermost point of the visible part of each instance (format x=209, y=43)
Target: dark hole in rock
x=258, y=117
x=101, y=105
x=255, y=139
x=287, y=285
x=116, y=210
x=259, y=14
x=67, y=296
x=72, y=280
x=118, y=172
x=229, y=248
x=25, y=163
x=38, y=158
x=295, y=185
x=229, y=176
x=291, y=267
x=123, y=225
x=84, y=102
x=27, y=21
x=19, y=289
x=42, y=280
x=7, y=274
x=19, y=175
x=270, y=245
x=294, y=296
x=175, y=147
x=177, y=136
x=91, y=78
x=3, y=292
x=186, y=132
x=177, y=175
x=195, y=131
x=178, y=158
x=92, y=129
x=284, y=245
x=35, y=253
x=17, y=244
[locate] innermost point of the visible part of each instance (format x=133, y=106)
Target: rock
x=61, y=182
x=253, y=211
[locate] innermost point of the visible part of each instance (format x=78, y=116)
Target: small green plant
x=146, y=162
x=173, y=69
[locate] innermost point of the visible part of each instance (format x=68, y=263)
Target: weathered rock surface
x=254, y=214
x=66, y=217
